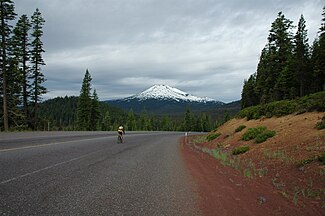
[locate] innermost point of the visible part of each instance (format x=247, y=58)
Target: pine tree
x=280, y=45
x=300, y=61
x=84, y=104
x=319, y=71
x=106, y=124
x=166, y=124
x=272, y=74
x=131, y=122
x=249, y=96
x=145, y=121
x=204, y=123
x=315, y=56
x=322, y=27
x=189, y=120
x=16, y=117
x=94, y=112
x=37, y=61
x=317, y=59
x=7, y=14
x=21, y=49
x=286, y=85
x=262, y=89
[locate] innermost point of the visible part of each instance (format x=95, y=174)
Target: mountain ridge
x=165, y=92
x=166, y=100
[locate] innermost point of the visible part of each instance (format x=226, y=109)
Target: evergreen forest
x=21, y=61
x=288, y=67
x=87, y=113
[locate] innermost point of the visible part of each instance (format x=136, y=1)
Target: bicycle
x=119, y=138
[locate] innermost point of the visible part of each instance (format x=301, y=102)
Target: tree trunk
x=4, y=76
x=25, y=93
x=36, y=95
x=5, y=105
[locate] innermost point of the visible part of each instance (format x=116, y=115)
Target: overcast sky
x=204, y=47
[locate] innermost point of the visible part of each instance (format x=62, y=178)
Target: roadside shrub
x=260, y=134
x=280, y=108
x=321, y=125
x=305, y=162
x=218, y=154
x=264, y=136
x=310, y=103
x=321, y=158
x=240, y=150
x=240, y=128
x=213, y=136
x=313, y=102
x=252, y=133
x=254, y=112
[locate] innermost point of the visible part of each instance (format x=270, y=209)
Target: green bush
x=264, y=136
x=213, y=136
x=321, y=158
x=252, y=133
x=240, y=150
x=313, y=102
x=280, y=108
x=260, y=134
x=254, y=112
x=305, y=162
x=320, y=125
x=240, y=128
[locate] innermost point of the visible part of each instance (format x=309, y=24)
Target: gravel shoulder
x=222, y=191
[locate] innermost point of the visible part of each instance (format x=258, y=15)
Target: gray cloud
x=205, y=47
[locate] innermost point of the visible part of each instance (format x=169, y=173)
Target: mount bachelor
x=166, y=100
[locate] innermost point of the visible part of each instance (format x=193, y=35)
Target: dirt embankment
x=281, y=176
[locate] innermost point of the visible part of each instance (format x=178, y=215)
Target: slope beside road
x=282, y=176
x=89, y=174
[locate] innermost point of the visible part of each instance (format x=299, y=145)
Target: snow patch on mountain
x=165, y=92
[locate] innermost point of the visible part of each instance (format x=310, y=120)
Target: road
x=88, y=173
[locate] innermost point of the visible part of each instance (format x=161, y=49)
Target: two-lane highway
x=88, y=173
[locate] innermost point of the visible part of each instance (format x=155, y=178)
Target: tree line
x=21, y=77
x=288, y=67
x=87, y=113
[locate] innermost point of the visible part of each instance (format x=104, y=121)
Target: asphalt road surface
x=88, y=173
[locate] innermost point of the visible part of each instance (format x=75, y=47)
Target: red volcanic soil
x=281, y=176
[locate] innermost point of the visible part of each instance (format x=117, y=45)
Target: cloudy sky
x=204, y=47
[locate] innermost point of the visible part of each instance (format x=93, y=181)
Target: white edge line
x=45, y=168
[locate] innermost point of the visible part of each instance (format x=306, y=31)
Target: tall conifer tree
x=106, y=123
x=131, y=123
x=249, y=97
x=21, y=49
x=189, y=120
x=37, y=76
x=320, y=63
x=7, y=14
x=301, y=56
x=262, y=77
x=271, y=76
x=317, y=59
x=280, y=43
x=84, y=104
x=94, y=112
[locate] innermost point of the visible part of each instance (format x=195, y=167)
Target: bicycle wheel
x=119, y=139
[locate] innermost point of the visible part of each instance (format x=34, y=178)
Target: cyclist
x=120, y=132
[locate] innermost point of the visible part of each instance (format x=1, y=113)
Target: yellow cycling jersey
x=120, y=129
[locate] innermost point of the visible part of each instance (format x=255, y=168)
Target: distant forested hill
x=60, y=113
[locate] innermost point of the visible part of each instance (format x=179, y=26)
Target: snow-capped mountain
x=165, y=92
x=163, y=99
